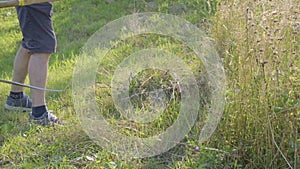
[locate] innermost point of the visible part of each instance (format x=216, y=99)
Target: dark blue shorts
x=37, y=27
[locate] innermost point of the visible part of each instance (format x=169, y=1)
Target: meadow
x=259, y=46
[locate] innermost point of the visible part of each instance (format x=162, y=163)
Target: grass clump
x=259, y=43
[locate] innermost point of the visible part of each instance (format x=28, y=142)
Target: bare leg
x=20, y=68
x=37, y=69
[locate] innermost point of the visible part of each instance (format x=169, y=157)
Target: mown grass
x=259, y=45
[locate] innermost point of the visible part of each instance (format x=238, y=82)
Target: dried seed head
x=274, y=13
x=276, y=30
x=295, y=17
x=280, y=38
x=264, y=62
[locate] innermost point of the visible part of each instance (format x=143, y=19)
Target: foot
x=23, y=104
x=48, y=118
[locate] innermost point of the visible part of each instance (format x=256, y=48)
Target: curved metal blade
x=29, y=86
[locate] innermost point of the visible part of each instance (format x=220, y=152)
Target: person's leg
x=17, y=100
x=37, y=69
x=20, y=68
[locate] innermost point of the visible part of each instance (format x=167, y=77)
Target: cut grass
x=25, y=145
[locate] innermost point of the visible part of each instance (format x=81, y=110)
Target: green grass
x=260, y=125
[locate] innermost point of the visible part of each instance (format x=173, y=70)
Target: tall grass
x=259, y=44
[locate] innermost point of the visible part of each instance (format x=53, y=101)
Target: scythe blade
x=29, y=86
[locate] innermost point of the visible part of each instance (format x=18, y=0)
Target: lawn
x=258, y=44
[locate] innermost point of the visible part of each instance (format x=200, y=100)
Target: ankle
x=38, y=111
x=16, y=95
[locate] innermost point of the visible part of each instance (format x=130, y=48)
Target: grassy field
x=258, y=42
